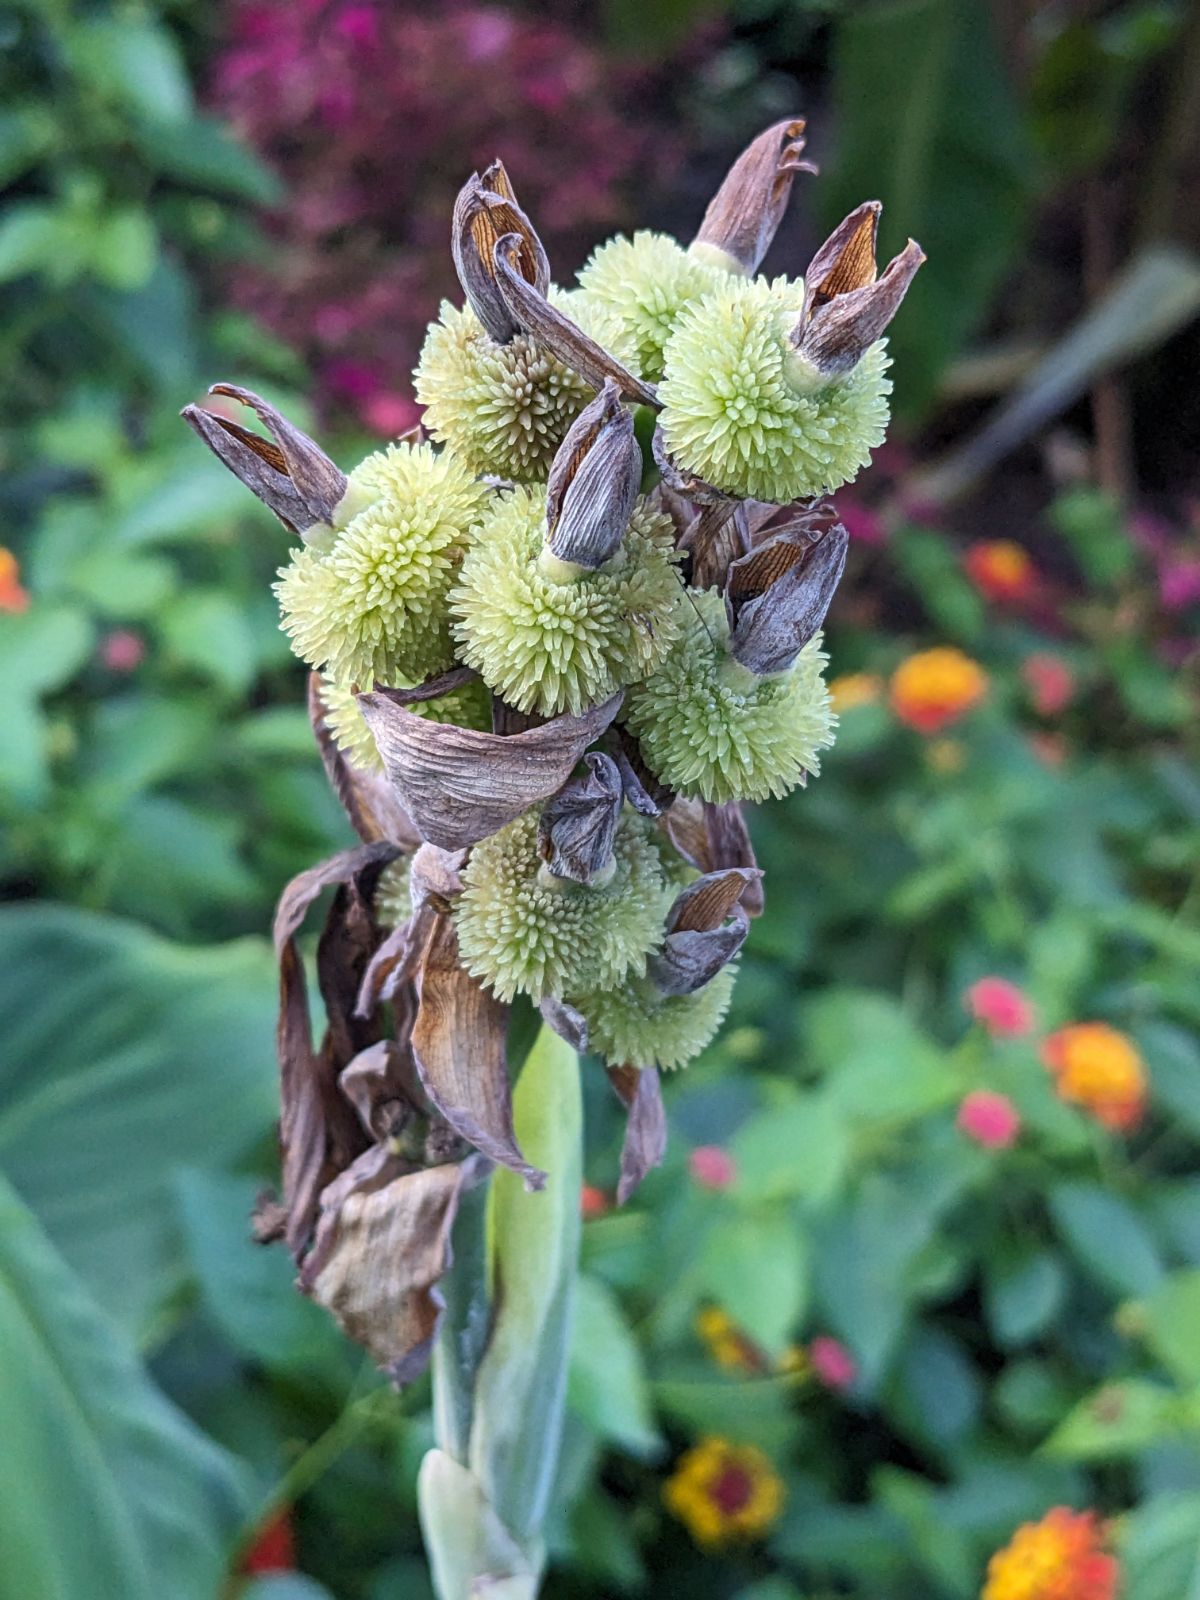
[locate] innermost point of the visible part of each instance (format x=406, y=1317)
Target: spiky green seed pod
x=637, y=1025
x=712, y=730
x=523, y=932
x=738, y=411
x=393, y=893
x=548, y=639
x=468, y=707
x=645, y=282
x=373, y=606
x=504, y=407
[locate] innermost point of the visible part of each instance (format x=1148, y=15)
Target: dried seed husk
x=744, y=214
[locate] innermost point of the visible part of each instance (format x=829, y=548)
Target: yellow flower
x=728, y=1346
x=935, y=687
x=724, y=1492
x=1099, y=1069
x=855, y=689
x=1062, y=1557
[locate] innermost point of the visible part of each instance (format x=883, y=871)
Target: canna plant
x=557, y=637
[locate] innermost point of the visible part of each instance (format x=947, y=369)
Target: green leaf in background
x=40, y=650
x=136, y=63
x=107, y=1490
x=938, y=1389
x=797, y=1146
x=933, y=567
x=1024, y=1290
x=606, y=1385
x=881, y=1067
x=1160, y=1549
x=207, y=629
x=1108, y=1237
x=1173, y=1326
x=928, y=123
x=122, y=1059
x=755, y=1264
x=247, y=1288
x=286, y=1586
x=1121, y=1419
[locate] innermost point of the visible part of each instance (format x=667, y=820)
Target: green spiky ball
x=713, y=731
x=393, y=893
x=522, y=934
x=730, y=415
x=645, y=282
x=549, y=646
x=504, y=408
x=468, y=707
x=373, y=607
x=637, y=1026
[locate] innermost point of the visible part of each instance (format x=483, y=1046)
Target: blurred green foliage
x=1025, y=1325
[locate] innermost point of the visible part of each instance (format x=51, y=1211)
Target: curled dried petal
x=640, y=1092
x=578, y=825
x=375, y=813
x=289, y=472
x=779, y=594
x=485, y=211
x=593, y=482
x=553, y=329
x=744, y=214
x=846, y=306
x=459, y=785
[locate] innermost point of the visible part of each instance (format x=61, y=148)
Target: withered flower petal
x=460, y=785
x=744, y=214
x=459, y=1043
x=706, y=927
x=317, y=1126
x=715, y=538
x=384, y=1242
x=578, y=825
x=368, y=800
x=640, y=1092
x=373, y=1084
x=846, y=306
x=712, y=837
x=593, y=482
x=486, y=211
x=564, y=339
x=289, y=473
x=646, y=794
x=566, y=1021
x=778, y=595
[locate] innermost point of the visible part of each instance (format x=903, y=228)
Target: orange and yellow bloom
x=933, y=688
x=1100, y=1070
x=855, y=689
x=1000, y=570
x=13, y=595
x=724, y=1492
x=1062, y=1557
x=732, y=1348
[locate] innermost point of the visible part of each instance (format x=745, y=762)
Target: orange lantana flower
x=1100, y=1069
x=1062, y=1557
x=935, y=687
x=855, y=689
x=13, y=595
x=1000, y=570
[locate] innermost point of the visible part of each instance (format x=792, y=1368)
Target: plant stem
x=500, y=1365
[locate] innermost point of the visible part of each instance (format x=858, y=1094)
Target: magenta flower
x=1003, y=1009
x=712, y=1167
x=833, y=1364
x=989, y=1118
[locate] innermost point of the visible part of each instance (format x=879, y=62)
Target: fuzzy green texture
x=730, y=415
x=636, y=1025
x=504, y=408
x=393, y=893
x=712, y=731
x=550, y=646
x=373, y=607
x=468, y=707
x=645, y=282
x=523, y=935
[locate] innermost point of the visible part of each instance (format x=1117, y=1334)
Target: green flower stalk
x=541, y=735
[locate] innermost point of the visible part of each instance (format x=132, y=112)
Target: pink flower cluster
x=371, y=113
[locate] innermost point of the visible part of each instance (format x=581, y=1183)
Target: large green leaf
x=122, y=1059
x=106, y=1489
x=929, y=125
